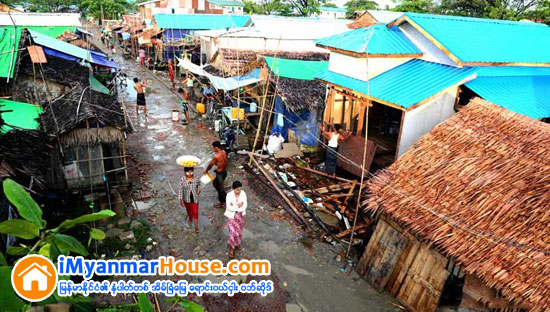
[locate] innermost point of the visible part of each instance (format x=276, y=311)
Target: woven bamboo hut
x=91, y=130
x=462, y=217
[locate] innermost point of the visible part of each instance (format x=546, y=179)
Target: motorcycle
x=227, y=138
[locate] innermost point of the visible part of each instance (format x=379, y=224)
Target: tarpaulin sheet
x=8, y=51
x=304, y=123
x=59, y=54
x=63, y=49
x=220, y=83
x=22, y=115
x=98, y=86
x=295, y=69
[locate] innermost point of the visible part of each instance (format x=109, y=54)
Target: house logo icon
x=34, y=278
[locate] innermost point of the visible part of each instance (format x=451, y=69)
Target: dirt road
x=307, y=272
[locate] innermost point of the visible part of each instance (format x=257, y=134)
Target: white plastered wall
x=431, y=52
x=357, y=67
x=425, y=117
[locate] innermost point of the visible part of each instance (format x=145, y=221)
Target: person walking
x=142, y=56
x=139, y=87
x=220, y=160
x=171, y=74
x=334, y=137
x=190, y=189
x=235, y=212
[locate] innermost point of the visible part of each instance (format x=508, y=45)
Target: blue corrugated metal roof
x=526, y=95
x=511, y=71
x=200, y=21
x=488, y=40
x=406, y=84
x=383, y=40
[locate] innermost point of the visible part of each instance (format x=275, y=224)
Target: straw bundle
x=476, y=188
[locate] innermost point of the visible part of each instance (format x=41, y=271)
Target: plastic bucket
x=175, y=115
x=236, y=114
x=200, y=108
x=207, y=178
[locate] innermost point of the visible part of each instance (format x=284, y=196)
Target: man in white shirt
x=275, y=143
x=236, y=204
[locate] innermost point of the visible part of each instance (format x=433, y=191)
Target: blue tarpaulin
x=55, y=53
x=304, y=123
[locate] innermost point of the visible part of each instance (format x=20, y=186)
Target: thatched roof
x=476, y=188
x=25, y=154
x=300, y=94
x=100, y=110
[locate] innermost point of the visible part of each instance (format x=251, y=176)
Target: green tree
x=330, y=5
x=105, y=9
x=418, y=6
x=541, y=13
x=360, y=5
x=306, y=7
x=499, y=9
x=50, y=5
x=250, y=7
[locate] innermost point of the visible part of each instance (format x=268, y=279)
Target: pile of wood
x=313, y=196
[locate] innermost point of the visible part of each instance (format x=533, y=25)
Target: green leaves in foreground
x=103, y=214
x=19, y=228
x=69, y=243
x=144, y=303
x=26, y=206
x=8, y=298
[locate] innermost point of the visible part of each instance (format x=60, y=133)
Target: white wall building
x=328, y=12
x=269, y=33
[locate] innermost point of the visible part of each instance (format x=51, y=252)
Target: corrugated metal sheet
x=280, y=27
x=200, y=21
x=488, y=40
x=40, y=19
x=511, y=71
x=406, y=84
x=383, y=40
x=526, y=95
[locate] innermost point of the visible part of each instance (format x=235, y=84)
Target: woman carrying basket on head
x=190, y=189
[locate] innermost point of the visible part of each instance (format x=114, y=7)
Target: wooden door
x=424, y=279
x=381, y=255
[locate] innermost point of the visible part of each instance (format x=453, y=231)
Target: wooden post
x=299, y=218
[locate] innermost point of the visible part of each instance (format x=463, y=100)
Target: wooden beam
x=326, y=175
x=461, y=82
x=294, y=211
x=506, y=64
x=364, y=55
x=400, y=135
